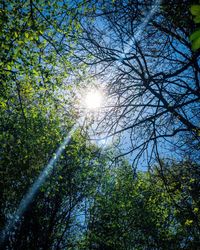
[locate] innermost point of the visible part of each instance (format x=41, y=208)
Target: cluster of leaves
x=55, y=217
x=141, y=212
x=35, y=66
x=84, y=204
x=195, y=37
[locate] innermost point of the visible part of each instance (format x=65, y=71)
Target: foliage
x=139, y=212
x=35, y=66
x=52, y=220
x=87, y=202
x=195, y=37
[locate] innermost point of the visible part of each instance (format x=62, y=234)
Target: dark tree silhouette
x=141, y=49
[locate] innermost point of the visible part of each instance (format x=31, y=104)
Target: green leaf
x=27, y=35
x=197, y=19
x=35, y=72
x=195, y=35
x=9, y=67
x=196, y=44
x=195, y=10
x=188, y=222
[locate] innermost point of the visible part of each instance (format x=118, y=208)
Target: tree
x=52, y=219
x=144, y=55
x=139, y=212
x=35, y=66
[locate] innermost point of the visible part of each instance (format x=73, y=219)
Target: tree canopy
x=144, y=56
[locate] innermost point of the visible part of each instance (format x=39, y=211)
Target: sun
x=93, y=99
